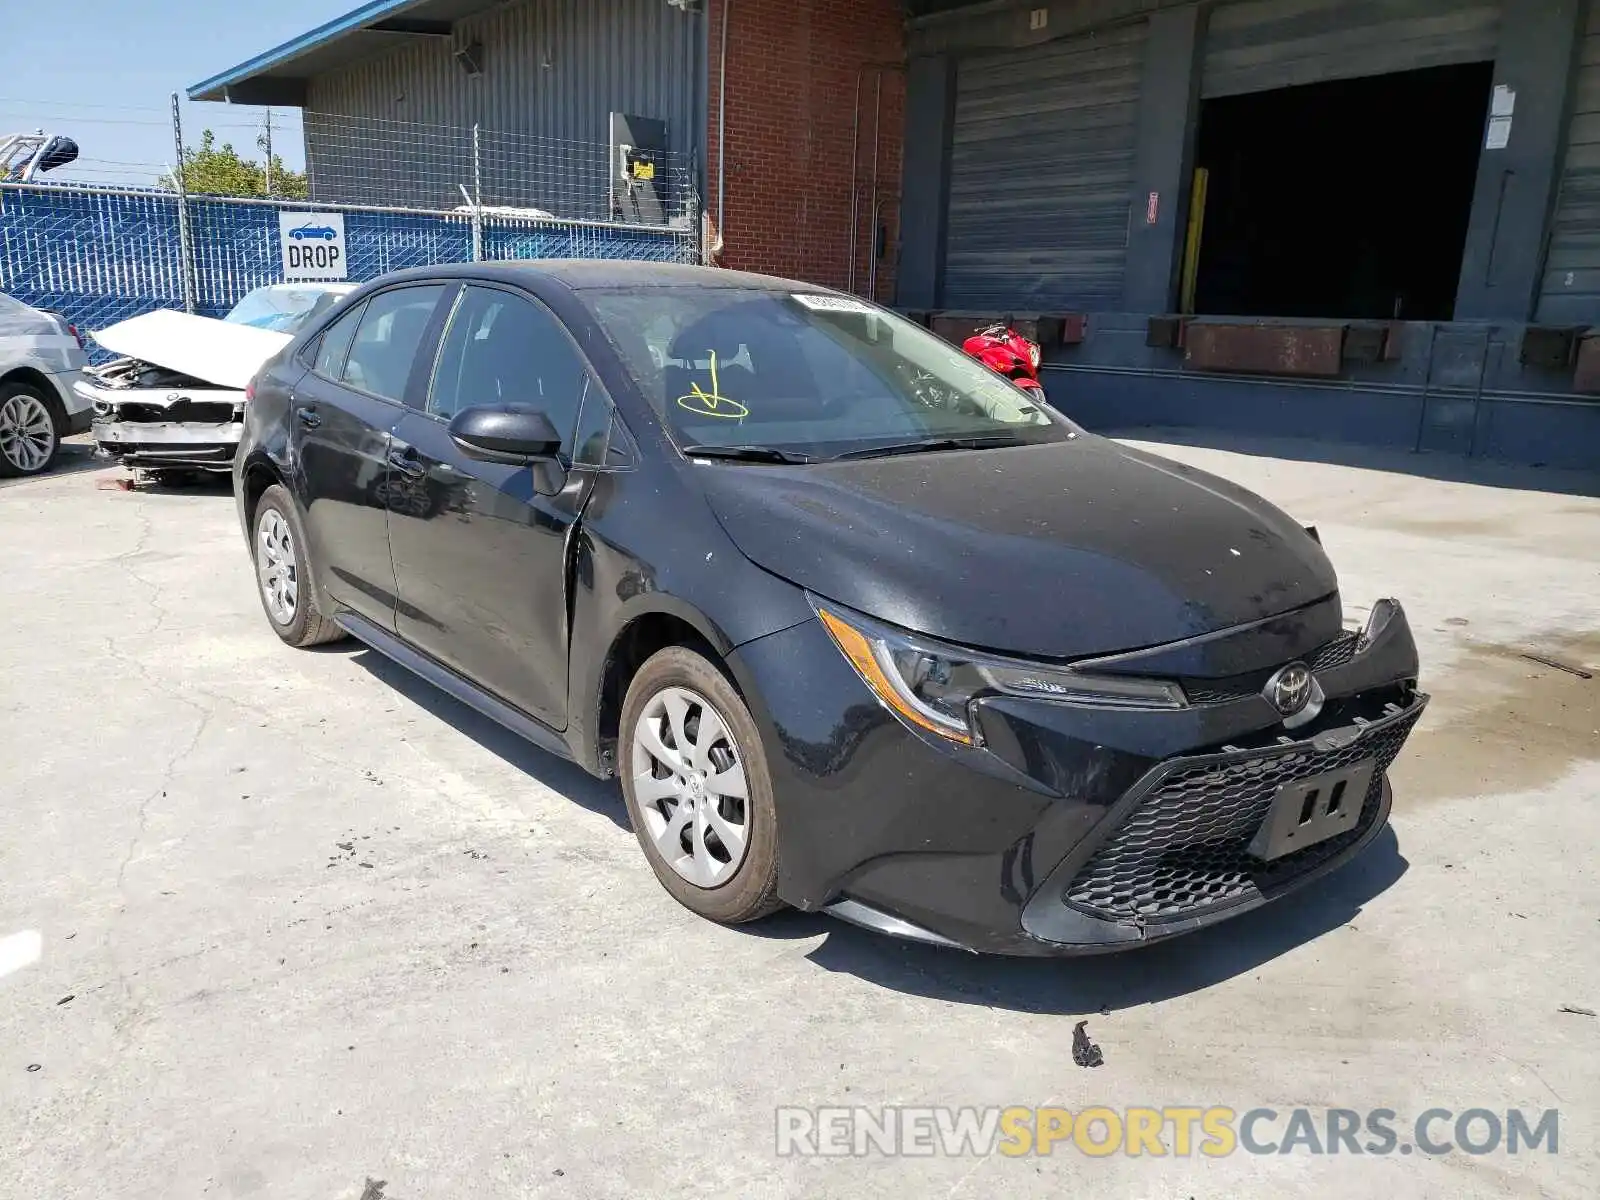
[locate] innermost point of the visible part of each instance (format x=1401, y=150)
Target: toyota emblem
x=1290, y=689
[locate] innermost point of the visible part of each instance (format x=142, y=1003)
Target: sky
x=102, y=72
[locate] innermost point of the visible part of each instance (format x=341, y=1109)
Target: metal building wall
x=1041, y=173
x=1264, y=44
x=552, y=69
x=1570, y=294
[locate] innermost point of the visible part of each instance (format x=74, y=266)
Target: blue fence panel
x=95, y=257
x=237, y=246
x=99, y=256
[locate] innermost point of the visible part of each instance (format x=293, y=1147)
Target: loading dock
x=1414, y=179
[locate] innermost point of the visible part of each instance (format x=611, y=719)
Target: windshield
x=282, y=309
x=812, y=376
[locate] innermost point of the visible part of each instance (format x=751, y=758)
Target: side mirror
x=506, y=433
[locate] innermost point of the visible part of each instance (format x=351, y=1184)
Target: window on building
x=1348, y=199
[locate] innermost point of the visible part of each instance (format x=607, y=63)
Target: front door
x=480, y=552
x=343, y=413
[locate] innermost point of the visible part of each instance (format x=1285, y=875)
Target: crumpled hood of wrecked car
x=202, y=347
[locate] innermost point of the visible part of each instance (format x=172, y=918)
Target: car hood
x=203, y=348
x=1062, y=550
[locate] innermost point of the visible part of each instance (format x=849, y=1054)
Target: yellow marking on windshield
x=712, y=403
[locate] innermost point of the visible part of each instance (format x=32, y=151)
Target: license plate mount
x=1313, y=810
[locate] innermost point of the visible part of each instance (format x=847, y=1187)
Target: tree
x=214, y=170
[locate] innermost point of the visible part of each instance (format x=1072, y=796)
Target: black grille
x=1185, y=847
x=1224, y=691
x=1335, y=654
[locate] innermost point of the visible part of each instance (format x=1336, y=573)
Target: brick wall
x=792, y=73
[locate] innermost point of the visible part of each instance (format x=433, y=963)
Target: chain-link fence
x=100, y=255
x=367, y=160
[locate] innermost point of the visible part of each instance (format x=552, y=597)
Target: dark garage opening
x=1341, y=200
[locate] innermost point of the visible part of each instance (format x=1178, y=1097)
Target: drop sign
x=313, y=245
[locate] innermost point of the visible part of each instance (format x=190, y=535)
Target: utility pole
x=185, y=238
x=269, y=154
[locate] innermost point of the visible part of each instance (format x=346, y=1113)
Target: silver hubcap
x=275, y=566
x=689, y=781
x=27, y=434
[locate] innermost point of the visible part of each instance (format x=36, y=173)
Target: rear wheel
x=694, y=775
x=287, y=596
x=31, y=427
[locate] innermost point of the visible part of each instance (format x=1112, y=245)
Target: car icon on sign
x=326, y=232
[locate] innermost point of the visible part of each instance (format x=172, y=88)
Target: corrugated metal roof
x=278, y=76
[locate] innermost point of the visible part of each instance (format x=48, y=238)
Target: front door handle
x=407, y=461
x=308, y=416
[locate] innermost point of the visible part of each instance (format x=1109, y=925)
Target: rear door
x=343, y=413
x=480, y=553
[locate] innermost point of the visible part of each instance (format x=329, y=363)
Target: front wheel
x=284, y=583
x=694, y=775
x=31, y=426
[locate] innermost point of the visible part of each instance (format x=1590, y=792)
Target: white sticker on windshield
x=834, y=303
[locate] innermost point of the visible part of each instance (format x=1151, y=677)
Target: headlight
x=1033, y=354
x=933, y=686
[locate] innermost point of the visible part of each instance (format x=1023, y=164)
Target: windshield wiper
x=927, y=445
x=769, y=454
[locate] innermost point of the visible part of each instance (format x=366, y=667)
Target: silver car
x=41, y=361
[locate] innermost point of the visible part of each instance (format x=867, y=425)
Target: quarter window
x=386, y=342
x=334, y=344
x=503, y=349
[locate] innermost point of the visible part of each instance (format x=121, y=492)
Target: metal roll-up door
x=1266, y=44
x=1041, y=174
x=1571, y=293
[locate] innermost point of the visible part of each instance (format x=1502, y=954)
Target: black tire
x=306, y=625
x=750, y=892
x=58, y=426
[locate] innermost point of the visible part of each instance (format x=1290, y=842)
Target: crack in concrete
x=124, y=1025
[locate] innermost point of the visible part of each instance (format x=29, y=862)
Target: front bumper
x=187, y=445
x=1073, y=829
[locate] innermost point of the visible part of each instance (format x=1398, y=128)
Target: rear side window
x=335, y=344
x=387, y=339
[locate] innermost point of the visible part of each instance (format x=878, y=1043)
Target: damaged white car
x=174, y=403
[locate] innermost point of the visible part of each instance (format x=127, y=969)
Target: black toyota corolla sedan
x=860, y=627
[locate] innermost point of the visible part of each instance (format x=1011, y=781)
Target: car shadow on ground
x=1059, y=986
x=569, y=779
x=1449, y=468
x=180, y=483
x=1092, y=984
x=73, y=460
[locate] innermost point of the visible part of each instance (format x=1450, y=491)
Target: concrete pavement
x=328, y=934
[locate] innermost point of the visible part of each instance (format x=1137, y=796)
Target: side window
x=503, y=349
x=335, y=344
x=387, y=339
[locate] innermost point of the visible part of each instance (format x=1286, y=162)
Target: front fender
x=701, y=579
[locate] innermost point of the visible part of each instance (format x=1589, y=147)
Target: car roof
x=306, y=285
x=587, y=274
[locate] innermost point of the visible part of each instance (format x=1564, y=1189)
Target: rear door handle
x=308, y=417
x=407, y=461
